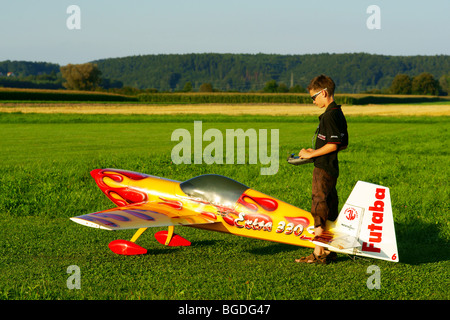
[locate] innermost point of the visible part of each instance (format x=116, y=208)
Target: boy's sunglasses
x=316, y=94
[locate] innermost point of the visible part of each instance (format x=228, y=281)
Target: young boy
x=332, y=136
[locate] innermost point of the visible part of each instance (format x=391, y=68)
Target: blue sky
x=36, y=30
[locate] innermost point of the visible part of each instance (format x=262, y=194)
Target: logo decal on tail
x=351, y=213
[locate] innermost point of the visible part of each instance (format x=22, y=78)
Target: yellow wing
x=144, y=215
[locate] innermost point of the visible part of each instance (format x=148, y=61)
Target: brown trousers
x=324, y=198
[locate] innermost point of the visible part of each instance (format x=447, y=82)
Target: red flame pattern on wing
x=120, y=196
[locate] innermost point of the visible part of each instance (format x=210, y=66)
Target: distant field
x=82, y=102
x=44, y=180
x=432, y=109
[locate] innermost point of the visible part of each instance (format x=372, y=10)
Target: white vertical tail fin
x=365, y=225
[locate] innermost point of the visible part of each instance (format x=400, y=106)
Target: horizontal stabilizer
x=338, y=241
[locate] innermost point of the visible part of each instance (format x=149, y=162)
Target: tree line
x=424, y=84
x=88, y=77
x=353, y=73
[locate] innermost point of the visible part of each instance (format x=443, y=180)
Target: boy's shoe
x=332, y=256
x=322, y=259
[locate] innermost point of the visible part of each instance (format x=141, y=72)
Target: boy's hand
x=305, y=153
x=312, y=153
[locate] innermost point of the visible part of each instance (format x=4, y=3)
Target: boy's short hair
x=321, y=82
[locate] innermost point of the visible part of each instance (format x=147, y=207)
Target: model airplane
x=365, y=225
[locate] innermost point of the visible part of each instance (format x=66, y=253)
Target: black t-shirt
x=332, y=129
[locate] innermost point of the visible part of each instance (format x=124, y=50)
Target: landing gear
x=129, y=248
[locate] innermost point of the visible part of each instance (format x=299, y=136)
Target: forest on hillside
x=352, y=72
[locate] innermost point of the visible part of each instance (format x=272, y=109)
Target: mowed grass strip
x=45, y=179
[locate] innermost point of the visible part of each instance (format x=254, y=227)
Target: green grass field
x=44, y=180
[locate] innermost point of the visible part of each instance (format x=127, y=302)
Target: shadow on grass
x=205, y=243
x=276, y=248
x=165, y=250
x=170, y=250
x=273, y=248
x=419, y=243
